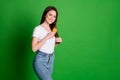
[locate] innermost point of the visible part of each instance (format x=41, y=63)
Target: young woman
x=43, y=43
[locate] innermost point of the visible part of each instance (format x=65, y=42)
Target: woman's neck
x=46, y=26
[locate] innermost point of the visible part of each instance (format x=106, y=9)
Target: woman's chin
x=50, y=22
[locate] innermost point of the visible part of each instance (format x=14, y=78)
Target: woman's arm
x=36, y=44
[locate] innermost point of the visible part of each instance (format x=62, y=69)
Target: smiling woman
x=90, y=30
x=43, y=43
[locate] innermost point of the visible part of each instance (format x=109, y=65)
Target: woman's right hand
x=50, y=35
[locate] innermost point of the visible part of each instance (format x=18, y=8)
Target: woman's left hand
x=58, y=39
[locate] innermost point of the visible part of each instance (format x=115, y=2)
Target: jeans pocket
x=41, y=57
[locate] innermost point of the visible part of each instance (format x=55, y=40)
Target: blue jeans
x=43, y=65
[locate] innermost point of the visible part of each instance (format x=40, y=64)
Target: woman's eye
x=54, y=16
x=50, y=14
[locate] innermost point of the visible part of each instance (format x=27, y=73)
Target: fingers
x=59, y=39
x=50, y=35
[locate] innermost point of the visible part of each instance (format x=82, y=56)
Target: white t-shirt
x=48, y=47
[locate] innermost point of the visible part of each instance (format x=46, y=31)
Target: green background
x=90, y=30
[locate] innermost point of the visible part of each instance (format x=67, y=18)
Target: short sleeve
x=36, y=33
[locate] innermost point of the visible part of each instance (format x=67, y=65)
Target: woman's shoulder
x=38, y=27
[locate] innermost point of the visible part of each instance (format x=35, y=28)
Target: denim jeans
x=43, y=65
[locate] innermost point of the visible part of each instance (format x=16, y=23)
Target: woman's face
x=50, y=17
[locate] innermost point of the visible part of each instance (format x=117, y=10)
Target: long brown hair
x=53, y=25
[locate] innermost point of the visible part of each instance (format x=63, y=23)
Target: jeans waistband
x=45, y=52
